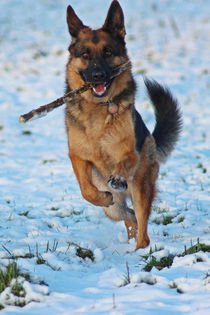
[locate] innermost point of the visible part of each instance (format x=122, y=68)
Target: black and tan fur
x=114, y=156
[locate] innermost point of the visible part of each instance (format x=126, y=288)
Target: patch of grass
x=130, y=38
x=7, y=275
x=149, y=281
x=9, y=278
x=85, y=253
x=54, y=208
x=40, y=260
x=165, y=219
x=25, y=213
x=168, y=260
x=35, y=72
x=180, y=220
x=151, y=251
x=205, y=71
x=162, y=263
x=75, y=212
x=59, y=52
x=160, y=210
x=18, y=290
x=11, y=256
x=49, y=161
x=7, y=68
x=1, y=127
x=183, y=179
x=203, y=134
x=157, y=221
x=163, y=174
x=12, y=277
x=58, y=73
x=20, y=89
x=82, y=252
x=40, y=53
x=26, y=132
x=200, y=165
x=196, y=248
x=173, y=285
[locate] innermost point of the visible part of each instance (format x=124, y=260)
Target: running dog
x=113, y=154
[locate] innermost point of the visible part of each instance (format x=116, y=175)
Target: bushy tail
x=168, y=118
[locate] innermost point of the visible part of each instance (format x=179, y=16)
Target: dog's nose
x=98, y=75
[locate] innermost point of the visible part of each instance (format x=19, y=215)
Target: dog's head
x=94, y=54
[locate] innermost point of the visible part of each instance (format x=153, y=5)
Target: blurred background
x=40, y=201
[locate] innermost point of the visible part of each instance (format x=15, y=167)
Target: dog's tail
x=168, y=118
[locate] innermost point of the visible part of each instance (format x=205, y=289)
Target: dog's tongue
x=99, y=88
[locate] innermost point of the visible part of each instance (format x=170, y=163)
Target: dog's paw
x=117, y=183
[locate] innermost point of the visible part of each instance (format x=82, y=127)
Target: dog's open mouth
x=101, y=89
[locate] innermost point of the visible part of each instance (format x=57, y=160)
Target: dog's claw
x=117, y=183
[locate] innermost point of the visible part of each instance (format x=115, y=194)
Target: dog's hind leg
x=131, y=223
x=119, y=210
x=143, y=190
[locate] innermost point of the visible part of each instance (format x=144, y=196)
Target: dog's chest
x=101, y=137
x=94, y=140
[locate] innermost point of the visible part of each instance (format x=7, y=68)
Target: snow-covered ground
x=41, y=206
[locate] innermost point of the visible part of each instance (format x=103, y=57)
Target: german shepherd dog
x=113, y=154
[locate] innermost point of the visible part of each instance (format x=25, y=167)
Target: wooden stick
x=43, y=110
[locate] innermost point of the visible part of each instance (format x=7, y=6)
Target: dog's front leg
x=83, y=172
x=123, y=172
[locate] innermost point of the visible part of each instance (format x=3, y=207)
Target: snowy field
x=44, y=221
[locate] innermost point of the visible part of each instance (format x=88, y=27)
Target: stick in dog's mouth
x=99, y=89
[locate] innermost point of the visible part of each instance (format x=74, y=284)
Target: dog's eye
x=108, y=52
x=85, y=55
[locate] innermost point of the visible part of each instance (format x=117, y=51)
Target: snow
x=41, y=208
x=34, y=292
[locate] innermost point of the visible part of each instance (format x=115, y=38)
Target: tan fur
x=112, y=151
x=103, y=144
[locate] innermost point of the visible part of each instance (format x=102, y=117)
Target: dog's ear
x=114, y=22
x=74, y=23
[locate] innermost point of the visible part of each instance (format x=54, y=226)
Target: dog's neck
x=116, y=104
x=112, y=107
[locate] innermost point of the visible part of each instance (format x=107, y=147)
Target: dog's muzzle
x=99, y=78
